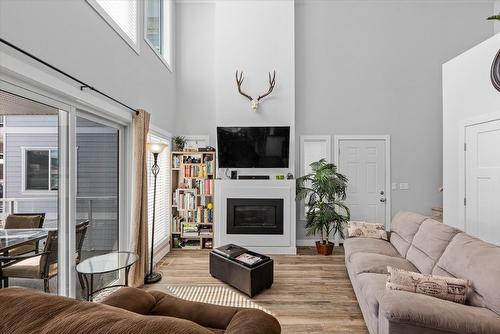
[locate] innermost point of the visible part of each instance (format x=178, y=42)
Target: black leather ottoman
x=247, y=279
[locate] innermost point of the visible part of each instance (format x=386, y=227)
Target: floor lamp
x=155, y=149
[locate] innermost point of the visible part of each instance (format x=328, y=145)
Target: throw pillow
x=447, y=288
x=367, y=230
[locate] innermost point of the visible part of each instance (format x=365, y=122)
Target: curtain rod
x=83, y=85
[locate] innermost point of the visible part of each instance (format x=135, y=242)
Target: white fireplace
x=256, y=214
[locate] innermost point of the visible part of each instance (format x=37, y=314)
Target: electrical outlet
x=404, y=186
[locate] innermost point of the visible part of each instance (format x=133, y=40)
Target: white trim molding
x=326, y=140
x=167, y=33
x=24, y=151
x=462, y=161
x=387, y=140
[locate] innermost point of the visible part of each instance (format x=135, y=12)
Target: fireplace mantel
x=283, y=243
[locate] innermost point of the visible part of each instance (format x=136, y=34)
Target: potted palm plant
x=324, y=191
x=178, y=143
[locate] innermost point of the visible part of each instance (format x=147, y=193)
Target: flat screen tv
x=253, y=147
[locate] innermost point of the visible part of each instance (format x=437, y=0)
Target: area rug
x=214, y=294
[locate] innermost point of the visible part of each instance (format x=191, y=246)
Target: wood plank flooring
x=311, y=293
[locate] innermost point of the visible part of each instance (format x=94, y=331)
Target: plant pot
x=324, y=249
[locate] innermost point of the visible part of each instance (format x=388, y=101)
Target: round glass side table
x=102, y=264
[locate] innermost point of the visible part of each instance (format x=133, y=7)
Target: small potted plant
x=324, y=191
x=178, y=142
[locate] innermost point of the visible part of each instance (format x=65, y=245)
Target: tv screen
x=253, y=147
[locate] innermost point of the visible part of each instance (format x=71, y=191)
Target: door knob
x=383, y=200
x=382, y=192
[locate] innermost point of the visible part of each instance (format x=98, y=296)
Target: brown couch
x=421, y=244
x=128, y=310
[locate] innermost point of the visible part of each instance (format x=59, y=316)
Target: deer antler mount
x=255, y=102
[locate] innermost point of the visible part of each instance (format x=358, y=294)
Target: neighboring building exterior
x=31, y=174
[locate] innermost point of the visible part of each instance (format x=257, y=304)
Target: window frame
x=24, y=174
x=112, y=23
x=166, y=56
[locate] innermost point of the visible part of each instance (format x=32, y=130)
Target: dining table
x=12, y=238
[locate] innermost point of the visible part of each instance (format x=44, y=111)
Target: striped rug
x=214, y=294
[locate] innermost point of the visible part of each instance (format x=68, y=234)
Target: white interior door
x=364, y=164
x=482, y=181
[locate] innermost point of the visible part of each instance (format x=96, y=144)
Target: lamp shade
x=156, y=147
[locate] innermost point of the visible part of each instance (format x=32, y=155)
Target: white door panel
x=364, y=164
x=482, y=181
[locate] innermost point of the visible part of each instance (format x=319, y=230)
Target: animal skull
x=255, y=104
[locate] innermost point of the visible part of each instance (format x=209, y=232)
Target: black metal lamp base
x=152, y=278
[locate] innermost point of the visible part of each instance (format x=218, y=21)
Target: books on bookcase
x=193, y=180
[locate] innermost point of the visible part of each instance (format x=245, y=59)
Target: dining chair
x=24, y=221
x=42, y=265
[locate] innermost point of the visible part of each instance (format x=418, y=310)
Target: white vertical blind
x=124, y=13
x=162, y=217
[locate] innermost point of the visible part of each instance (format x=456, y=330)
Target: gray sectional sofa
x=421, y=244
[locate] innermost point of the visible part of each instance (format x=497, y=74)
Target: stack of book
x=189, y=230
x=205, y=232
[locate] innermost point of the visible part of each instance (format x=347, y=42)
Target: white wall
x=195, y=69
x=72, y=36
x=467, y=95
x=374, y=67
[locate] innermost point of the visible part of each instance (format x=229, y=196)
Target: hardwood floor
x=310, y=294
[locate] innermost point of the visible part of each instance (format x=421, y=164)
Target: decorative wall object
x=495, y=72
x=255, y=102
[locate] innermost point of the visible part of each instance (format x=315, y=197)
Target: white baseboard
x=306, y=242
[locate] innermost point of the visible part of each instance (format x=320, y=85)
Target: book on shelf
x=186, y=200
x=189, y=230
x=205, y=232
x=176, y=161
x=203, y=215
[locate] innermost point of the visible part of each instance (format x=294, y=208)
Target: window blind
x=162, y=217
x=124, y=13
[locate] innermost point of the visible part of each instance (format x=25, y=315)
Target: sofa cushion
x=130, y=299
x=426, y=314
x=429, y=244
x=368, y=245
x=377, y=263
x=442, y=287
x=372, y=290
x=404, y=225
x=478, y=261
x=356, y=229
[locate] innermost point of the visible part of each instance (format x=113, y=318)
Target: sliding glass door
x=97, y=192
x=30, y=198
x=66, y=166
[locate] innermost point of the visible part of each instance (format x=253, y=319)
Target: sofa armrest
x=401, y=310
x=231, y=319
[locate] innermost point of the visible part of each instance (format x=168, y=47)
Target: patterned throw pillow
x=367, y=230
x=447, y=288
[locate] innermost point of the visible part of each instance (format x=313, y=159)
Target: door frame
x=462, y=161
x=387, y=140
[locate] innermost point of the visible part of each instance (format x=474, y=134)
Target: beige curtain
x=140, y=199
